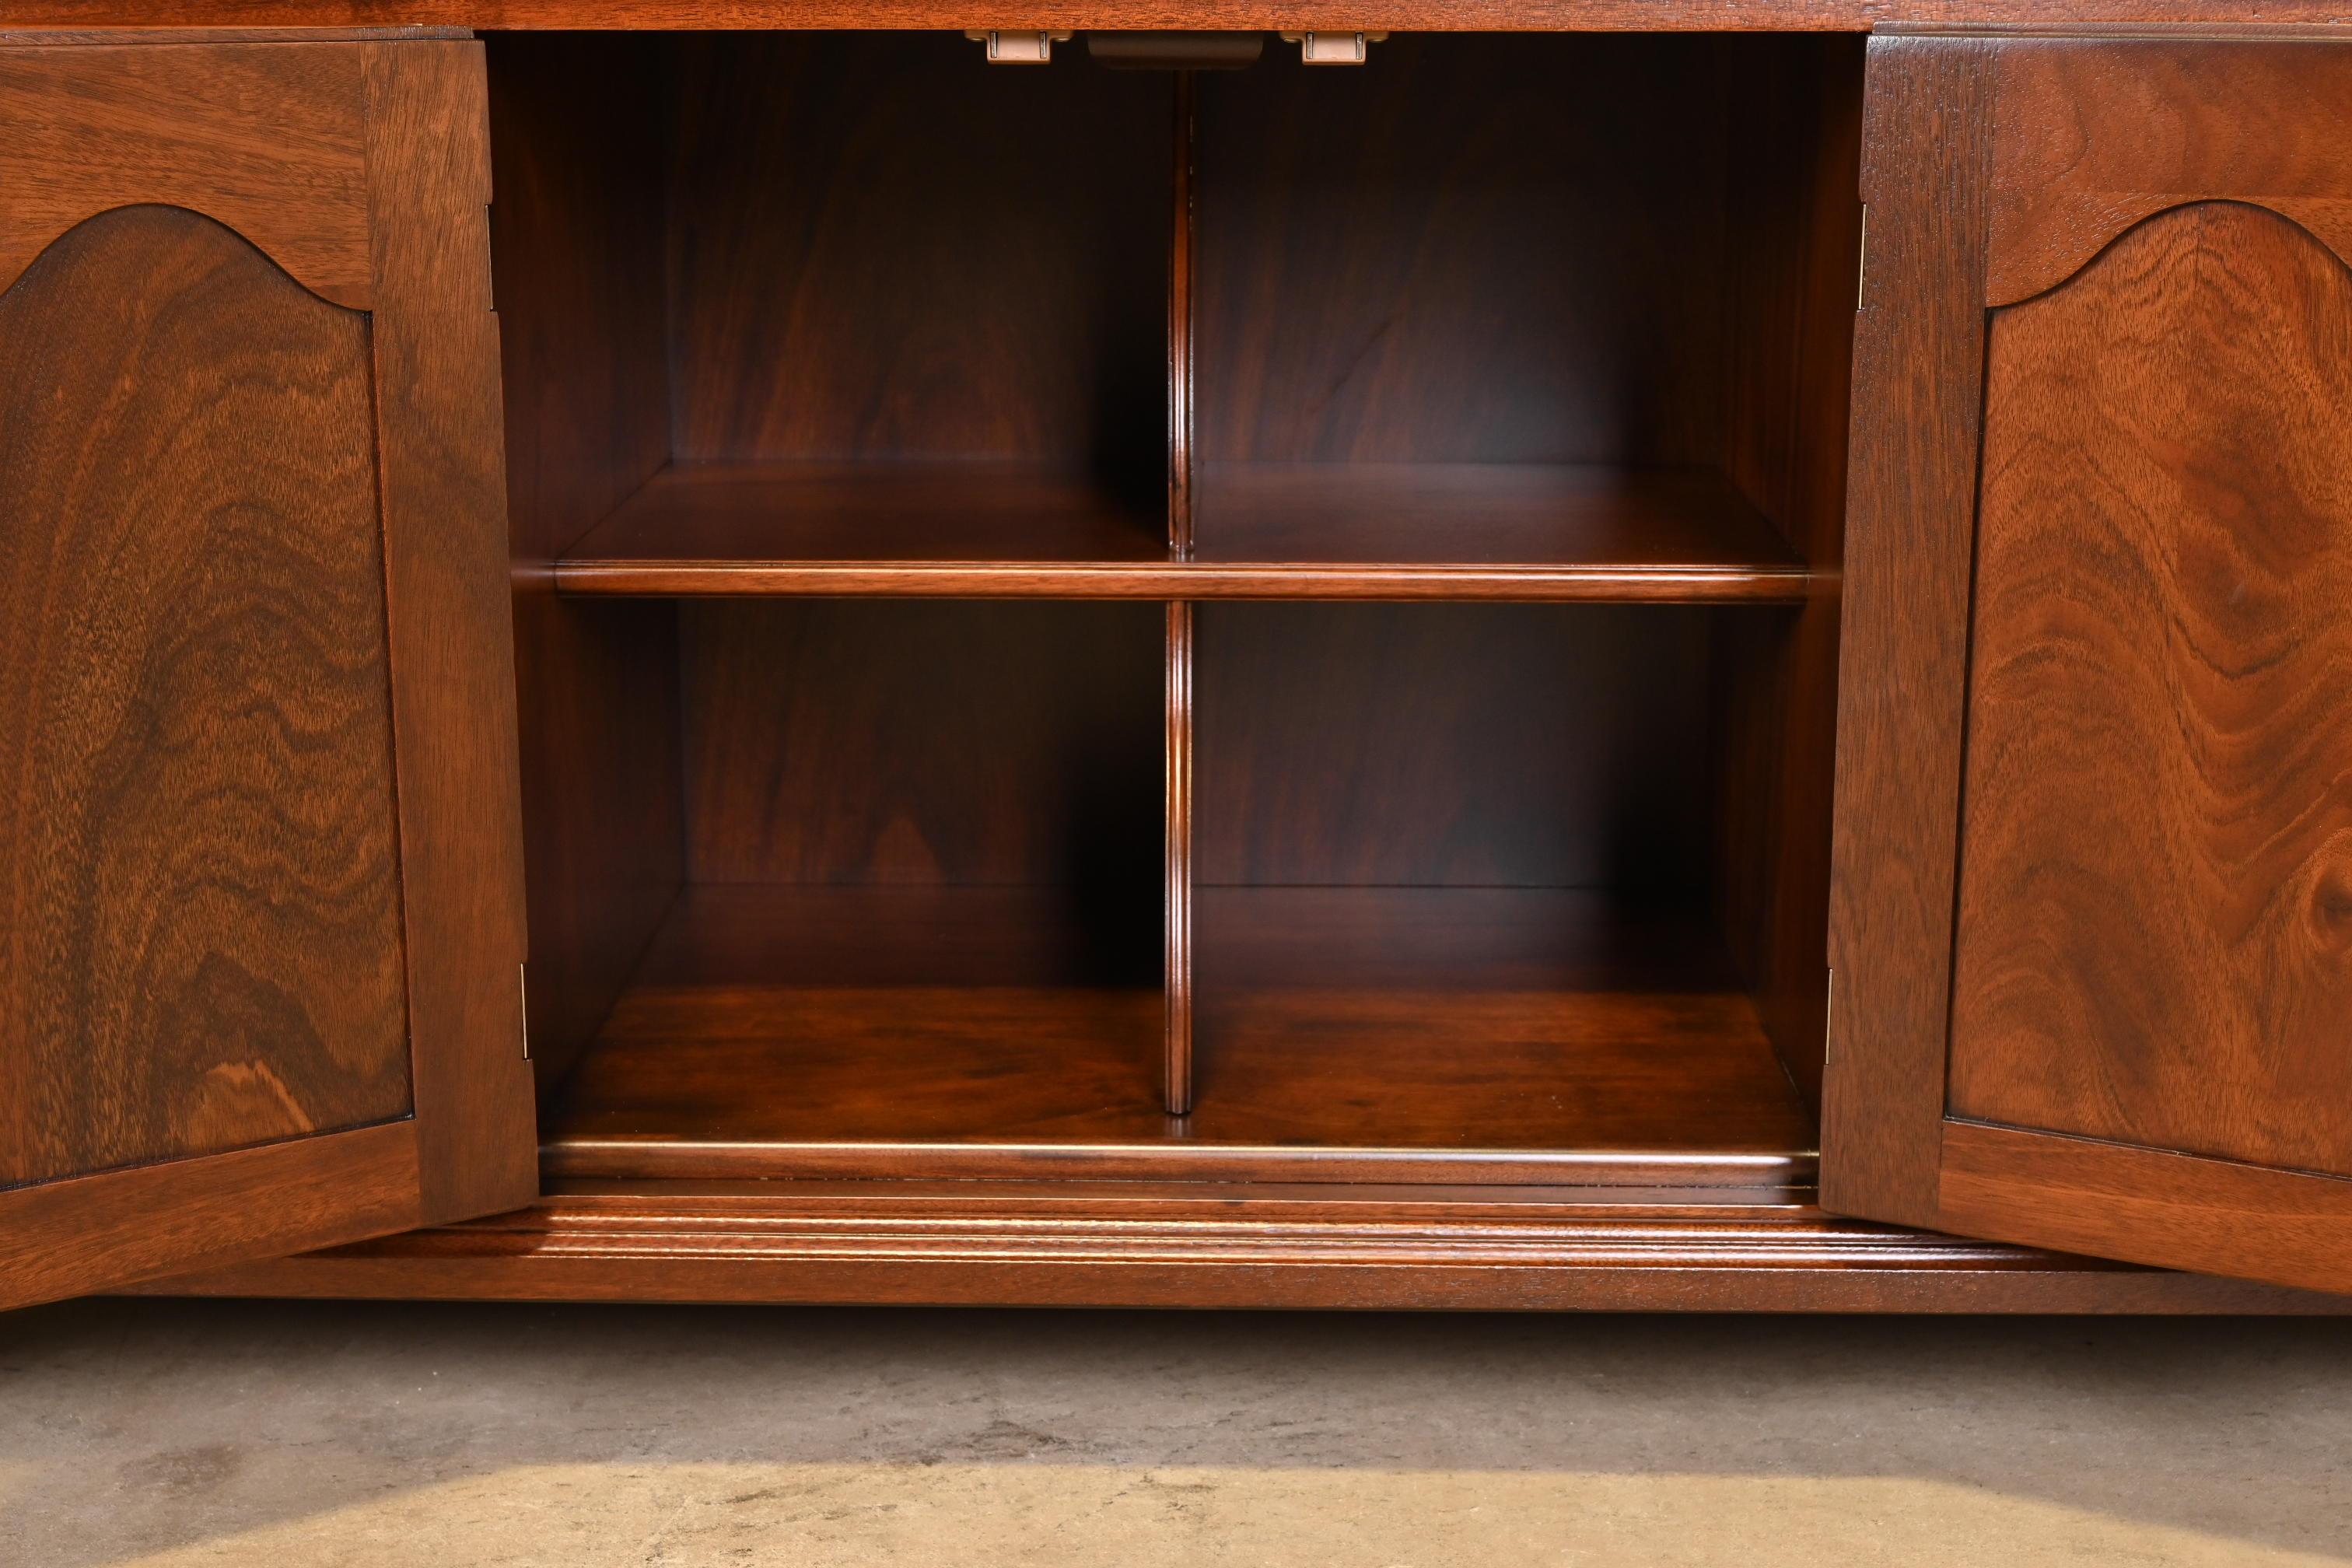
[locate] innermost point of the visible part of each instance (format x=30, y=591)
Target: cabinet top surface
x=1396, y=16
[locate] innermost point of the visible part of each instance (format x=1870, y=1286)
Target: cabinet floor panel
x=1459, y=1036
x=1367, y=530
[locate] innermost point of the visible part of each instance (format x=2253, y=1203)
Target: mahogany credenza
x=1514, y=654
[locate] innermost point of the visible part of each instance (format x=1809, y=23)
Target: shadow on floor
x=207, y=1431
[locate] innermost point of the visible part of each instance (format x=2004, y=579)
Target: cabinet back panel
x=1450, y=745
x=1478, y=249
x=928, y=742
x=882, y=248
x=200, y=910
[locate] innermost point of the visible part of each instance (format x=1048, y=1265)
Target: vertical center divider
x=1177, y=1047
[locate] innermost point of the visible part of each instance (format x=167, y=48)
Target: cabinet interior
x=846, y=807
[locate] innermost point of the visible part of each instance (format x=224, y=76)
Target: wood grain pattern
x=2155, y=924
x=101, y=1232
x=2090, y=136
x=440, y=470
x=837, y=741
x=1600, y=517
x=265, y=139
x=1223, y=1244
x=1909, y=532
x=2149, y=1205
x=1445, y=258
x=1468, y=1035
x=1452, y=744
x=1796, y=204
x=202, y=888
x=576, y=138
x=878, y=251
x=1177, y=978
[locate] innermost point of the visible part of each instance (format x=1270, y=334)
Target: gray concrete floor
x=168, y=1432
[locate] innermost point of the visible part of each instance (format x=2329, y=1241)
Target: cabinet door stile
x=256, y=692
x=2092, y=928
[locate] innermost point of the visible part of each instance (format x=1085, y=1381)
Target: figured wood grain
x=1910, y=530
x=842, y=740
x=265, y=139
x=2090, y=136
x=198, y=866
x=1467, y=1034
x=1453, y=745
x=440, y=470
x=2155, y=922
x=577, y=125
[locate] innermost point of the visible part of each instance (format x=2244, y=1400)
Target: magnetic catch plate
x=1007, y=47
x=1333, y=48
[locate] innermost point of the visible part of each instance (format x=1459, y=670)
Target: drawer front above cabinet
x=2092, y=914
x=259, y=887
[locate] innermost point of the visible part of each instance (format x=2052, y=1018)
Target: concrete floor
x=166, y=1431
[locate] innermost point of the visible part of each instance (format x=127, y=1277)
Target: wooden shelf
x=1413, y=1035
x=1264, y=531
x=1540, y=530
x=920, y=528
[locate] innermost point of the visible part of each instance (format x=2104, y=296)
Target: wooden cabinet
x=2099, y=640
x=1296, y=685
x=258, y=854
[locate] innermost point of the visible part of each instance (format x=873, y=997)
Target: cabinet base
x=1224, y=1245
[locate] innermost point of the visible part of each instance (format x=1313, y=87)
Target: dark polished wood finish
x=977, y=269
x=199, y=855
x=2149, y=961
x=2154, y=940
x=1172, y=1244
x=1516, y=745
x=575, y=138
x=260, y=722
x=931, y=742
x=1436, y=1034
x=1176, y=1072
x=1006, y=530
x=1918, y=360
x=1785, y=421
x=1209, y=16
x=266, y=140
x=2216, y=120
x=1487, y=959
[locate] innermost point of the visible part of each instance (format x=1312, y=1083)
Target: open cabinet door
x=260, y=886
x=2091, y=929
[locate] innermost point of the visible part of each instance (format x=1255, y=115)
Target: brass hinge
x=1862, y=257
x=522, y=1004
x=1008, y=48
x=1332, y=49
